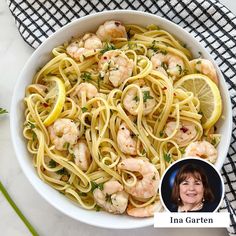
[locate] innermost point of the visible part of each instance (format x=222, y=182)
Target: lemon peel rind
x=216, y=93
x=54, y=114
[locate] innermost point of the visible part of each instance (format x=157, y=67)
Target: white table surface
x=47, y=220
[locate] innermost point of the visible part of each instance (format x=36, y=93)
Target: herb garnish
x=161, y=133
x=108, y=47
x=52, y=163
x=100, y=77
x=95, y=185
x=66, y=145
x=213, y=141
x=180, y=69
x=97, y=208
x=86, y=76
x=108, y=198
x=167, y=157
x=136, y=98
x=182, y=150
x=84, y=109
x=164, y=65
x=31, y=125
x=62, y=171
x=3, y=111
x=146, y=96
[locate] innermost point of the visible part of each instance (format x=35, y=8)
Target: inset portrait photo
x=191, y=185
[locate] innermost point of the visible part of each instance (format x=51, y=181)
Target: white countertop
x=47, y=220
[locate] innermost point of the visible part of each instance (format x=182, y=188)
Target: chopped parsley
x=86, y=76
x=62, y=171
x=100, y=77
x=164, y=52
x=108, y=198
x=182, y=150
x=52, y=163
x=161, y=134
x=197, y=129
x=154, y=47
x=108, y=47
x=213, y=141
x=82, y=194
x=66, y=145
x=136, y=98
x=180, y=69
x=95, y=185
x=198, y=62
x=34, y=136
x=84, y=109
x=129, y=34
x=31, y=125
x=97, y=208
x=72, y=156
x=3, y=111
x=167, y=157
x=164, y=65
x=146, y=96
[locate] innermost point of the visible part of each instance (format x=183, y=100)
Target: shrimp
x=87, y=46
x=88, y=89
x=82, y=155
x=205, y=67
x=63, y=133
x=125, y=141
x=131, y=100
x=112, y=198
x=185, y=134
x=115, y=66
x=145, y=211
x=146, y=187
x=171, y=63
x=111, y=30
x=202, y=149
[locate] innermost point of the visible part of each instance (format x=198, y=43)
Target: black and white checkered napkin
x=211, y=23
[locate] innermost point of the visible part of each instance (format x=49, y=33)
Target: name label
x=188, y=220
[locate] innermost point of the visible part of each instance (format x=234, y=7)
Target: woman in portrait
x=191, y=191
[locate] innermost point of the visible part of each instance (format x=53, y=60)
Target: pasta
x=107, y=115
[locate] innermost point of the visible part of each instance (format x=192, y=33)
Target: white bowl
x=42, y=55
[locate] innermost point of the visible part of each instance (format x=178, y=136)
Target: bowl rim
x=13, y=120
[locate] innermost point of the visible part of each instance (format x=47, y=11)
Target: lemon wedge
x=59, y=101
x=208, y=94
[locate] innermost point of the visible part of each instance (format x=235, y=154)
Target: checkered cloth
x=211, y=23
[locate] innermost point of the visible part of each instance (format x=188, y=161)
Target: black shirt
x=207, y=207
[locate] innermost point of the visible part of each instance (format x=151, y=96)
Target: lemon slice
x=208, y=94
x=59, y=101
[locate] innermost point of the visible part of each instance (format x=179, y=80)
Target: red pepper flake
x=104, y=58
x=164, y=88
x=184, y=129
x=45, y=105
x=174, y=94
